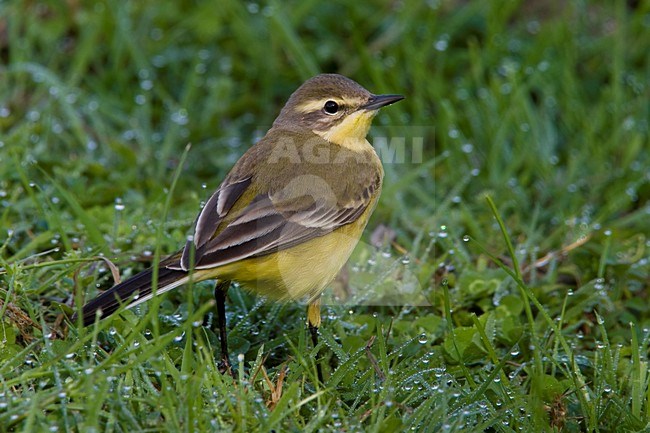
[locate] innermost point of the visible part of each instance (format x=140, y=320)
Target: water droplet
x=466, y=238
x=422, y=339
x=441, y=45
x=240, y=357
x=146, y=85
x=180, y=117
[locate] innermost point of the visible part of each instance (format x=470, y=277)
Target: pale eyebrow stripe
x=315, y=105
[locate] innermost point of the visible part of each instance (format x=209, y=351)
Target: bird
x=287, y=216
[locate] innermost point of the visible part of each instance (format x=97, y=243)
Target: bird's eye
x=331, y=107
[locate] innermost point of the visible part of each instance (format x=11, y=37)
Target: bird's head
x=333, y=107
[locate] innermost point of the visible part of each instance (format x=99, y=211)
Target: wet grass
x=525, y=311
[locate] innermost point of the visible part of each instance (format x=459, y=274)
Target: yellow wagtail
x=288, y=215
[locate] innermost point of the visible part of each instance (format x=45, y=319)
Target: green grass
x=525, y=312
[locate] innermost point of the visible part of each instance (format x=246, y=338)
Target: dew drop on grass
x=33, y=115
x=466, y=238
x=180, y=117
x=422, y=339
x=441, y=45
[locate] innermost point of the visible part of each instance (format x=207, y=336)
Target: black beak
x=377, y=101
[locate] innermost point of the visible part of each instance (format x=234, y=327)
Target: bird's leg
x=220, y=290
x=313, y=321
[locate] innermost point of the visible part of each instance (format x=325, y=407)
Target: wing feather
x=215, y=209
x=265, y=227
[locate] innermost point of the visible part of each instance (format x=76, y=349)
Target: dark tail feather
x=127, y=292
